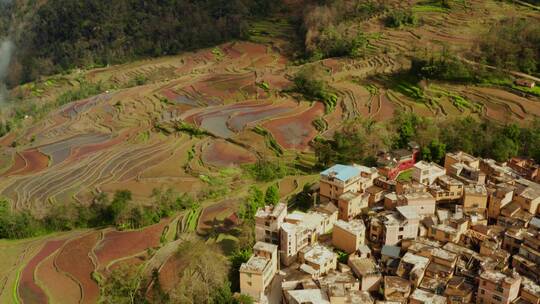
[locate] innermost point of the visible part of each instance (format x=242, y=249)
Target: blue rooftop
x=342, y=172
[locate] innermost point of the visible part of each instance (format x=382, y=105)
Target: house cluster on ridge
x=465, y=232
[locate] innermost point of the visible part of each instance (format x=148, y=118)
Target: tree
x=205, y=275
x=434, y=152
x=504, y=148
x=122, y=286
x=254, y=201
x=271, y=196
x=118, y=205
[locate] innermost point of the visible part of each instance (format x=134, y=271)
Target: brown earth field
x=295, y=132
x=215, y=216
x=28, y=290
x=74, y=260
x=50, y=279
x=118, y=244
x=221, y=153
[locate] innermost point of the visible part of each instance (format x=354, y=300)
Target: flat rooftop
x=342, y=172
x=266, y=247
x=427, y=297
x=498, y=277
x=530, y=287
x=445, y=228
x=475, y=189
x=448, y=180
x=271, y=211
x=418, y=261
x=408, y=212
x=318, y=254
x=309, y=296
x=338, y=277
x=443, y=254
x=255, y=264
x=462, y=156
x=365, y=266
x=455, y=248
x=348, y=196
x=355, y=227
x=398, y=284
x=418, y=195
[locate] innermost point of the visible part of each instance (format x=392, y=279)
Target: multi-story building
x=497, y=287
x=527, y=261
x=497, y=173
x=390, y=228
x=349, y=236
x=527, y=195
x=530, y=292
x=367, y=271
x=459, y=291
x=449, y=231
x=513, y=238
x=526, y=168
x=317, y=260
x=396, y=289
x=427, y=173
x=464, y=167
x=420, y=296
x=498, y=199
x=460, y=157
x=351, y=204
x=446, y=188
x=340, y=179
x=423, y=202
x=294, y=238
x=475, y=198
x=268, y=222
x=257, y=273
x=412, y=267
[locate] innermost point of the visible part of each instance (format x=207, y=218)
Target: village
x=468, y=232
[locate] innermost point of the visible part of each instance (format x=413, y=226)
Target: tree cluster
x=65, y=34
x=512, y=43
x=482, y=138
x=400, y=18
x=326, y=32
x=121, y=212
x=202, y=278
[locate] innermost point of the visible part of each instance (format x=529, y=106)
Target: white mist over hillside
x=6, y=51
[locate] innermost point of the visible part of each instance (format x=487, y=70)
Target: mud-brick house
x=526, y=168
x=522, y=82
x=497, y=287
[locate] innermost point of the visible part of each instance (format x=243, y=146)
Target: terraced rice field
x=221, y=153
x=114, y=141
x=48, y=277
x=118, y=244
x=296, y=132
x=215, y=216
x=28, y=290
x=60, y=269
x=75, y=261
x=110, y=141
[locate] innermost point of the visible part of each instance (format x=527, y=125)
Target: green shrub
x=267, y=171
x=181, y=126
x=401, y=18
x=308, y=82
